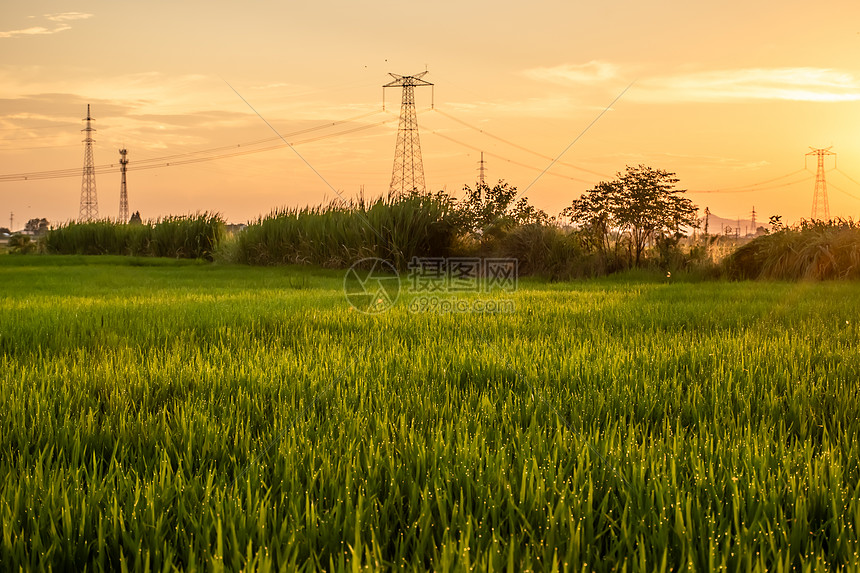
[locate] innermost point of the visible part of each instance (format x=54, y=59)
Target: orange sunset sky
x=727, y=95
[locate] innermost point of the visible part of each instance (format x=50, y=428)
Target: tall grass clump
x=192, y=237
x=547, y=251
x=394, y=228
x=189, y=237
x=812, y=250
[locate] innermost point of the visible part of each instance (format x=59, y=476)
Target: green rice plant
x=186, y=416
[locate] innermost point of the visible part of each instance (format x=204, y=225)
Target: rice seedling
x=189, y=416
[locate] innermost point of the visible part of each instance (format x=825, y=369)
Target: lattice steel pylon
x=89, y=210
x=123, y=190
x=820, y=205
x=408, y=173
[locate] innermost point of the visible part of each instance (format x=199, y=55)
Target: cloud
x=271, y=86
x=549, y=106
x=591, y=72
x=751, y=84
x=60, y=107
x=66, y=16
x=59, y=18
x=34, y=31
x=732, y=85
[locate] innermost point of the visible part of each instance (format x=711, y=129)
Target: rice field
x=176, y=415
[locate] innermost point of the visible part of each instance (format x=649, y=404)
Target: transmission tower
x=482, y=171
x=123, y=190
x=820, y=205
x=408, y=173
x=89, y=210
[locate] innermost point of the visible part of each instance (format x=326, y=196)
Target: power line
x=260, y=141
x=753, y=189
x=746, y=188
x=577, y=138
x=189, y=157
x=511, y=161
x=852, y=195
x=516, y=145
x=851, y=179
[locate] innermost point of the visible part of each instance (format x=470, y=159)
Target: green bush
x=21, y=245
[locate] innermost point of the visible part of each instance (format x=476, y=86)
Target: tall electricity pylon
x=123, y=190
x=820, y=205
x=89, y=210
x=482, y=171
x=408, y=173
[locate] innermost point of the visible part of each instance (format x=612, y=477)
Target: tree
x=36, y=226
x=641, y=203
x=526, y=214
x=488, y=210
x=592, y=213
x=135, y=219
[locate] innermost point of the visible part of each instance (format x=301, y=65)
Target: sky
x=729, y=96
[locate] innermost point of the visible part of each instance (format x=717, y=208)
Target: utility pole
x=407, y=176
x=123, y=190
x=89, y=209
x=820, y=205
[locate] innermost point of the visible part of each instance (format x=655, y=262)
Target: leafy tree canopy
x=488, y=207
x=642, y=202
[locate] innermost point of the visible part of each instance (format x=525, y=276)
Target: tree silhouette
x=642, y=203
